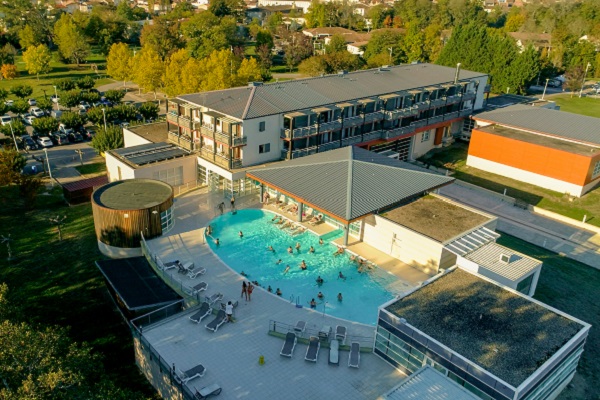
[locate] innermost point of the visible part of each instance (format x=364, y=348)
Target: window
x=525, y=285
x=172, y=176
x=264, y=148
x=166, y=220
x=261, y=126
x=425, y=137
x=596, y=171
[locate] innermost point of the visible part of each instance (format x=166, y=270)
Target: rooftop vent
x=505, y=258
x=252, y=84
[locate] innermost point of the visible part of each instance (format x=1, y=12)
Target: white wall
x=112, y=168
x=413, y=248
x=480, y=92
x=188, y=163
x=271, y=134
x=419, y=148
x=133, y=139
x=527, y=176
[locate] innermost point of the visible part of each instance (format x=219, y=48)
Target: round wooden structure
x=124, y=209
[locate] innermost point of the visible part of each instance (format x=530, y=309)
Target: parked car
x=55, y=98
x=9, y=103
x=44, y=141
x=27, y=143
x=28, y=119
x=87, y=132
x=60, y=139
x=75, y=137
x=5, y=119
x=32, y=102
x=36, y=112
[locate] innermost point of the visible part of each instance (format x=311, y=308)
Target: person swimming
x=320, y=241
x=341, y=276
x=287, y=268
x=278, y=292
x=241, y=234
x=278, y=262
x=313, y=303
x=243, y=273
x=217, y=241
x=320, y=295
x=290, y=250
x=339, y=251
x=298, y=247
x=311, y=250
x=303, y=265
x=319, y=280
x=270, y=289
x=270, y=248
x=339, y=296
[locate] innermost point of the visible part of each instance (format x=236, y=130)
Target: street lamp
x=391, y=49
x=13, y=135
x=545, y=87
x=584, y=76
x=49, y=169
x=104, y=115
x=56, y=97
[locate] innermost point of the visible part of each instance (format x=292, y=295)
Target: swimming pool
x=362, y=292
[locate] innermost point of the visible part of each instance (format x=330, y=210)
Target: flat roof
x=82, y=184
x=429, y=384
x=136, y=283
x=505, y=333
x=133, y=194
x=518, y=265
x=436, y=218
x=149, y=153
x=155, y=133
x=541, y=140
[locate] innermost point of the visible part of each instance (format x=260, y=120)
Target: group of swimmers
x=321, y=296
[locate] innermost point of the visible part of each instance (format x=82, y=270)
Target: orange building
x=552, y=149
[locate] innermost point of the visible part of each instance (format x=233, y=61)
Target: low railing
x=453, y=99
x=419, y=124
x=239, y=140
x=466, y=113
x=182, y=141
x=451, y=115
x=298, y=132
x=353, y=121
x=207, y=152
x=351, y=140
x=470, y=95
x=207, y=131
x=424, y=105
x=367, y=137
x=303, y=152
x=328, y=146
x=186, y=187
x=330, y=126
x=436, y=119
x=282, y=328
x=438, y=102
x=374, y=116
x=180, y=120
x=404, y=130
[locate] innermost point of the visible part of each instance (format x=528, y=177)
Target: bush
x=65, y=84
x=86, y=83
x=111, y=138
x=115, y=96
x=9, y=71
x=21, y=91
x=45, y=125
x=149, y=110
x=72, y=120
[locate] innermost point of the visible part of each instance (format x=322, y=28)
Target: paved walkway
x=568, y=240
x=231, y=354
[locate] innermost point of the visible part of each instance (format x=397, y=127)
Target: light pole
x=545, y=87
x=56, y=97
x=584, y=76
x=391, y=49
x=104, y=115
x=13, y=135
x=49, y=169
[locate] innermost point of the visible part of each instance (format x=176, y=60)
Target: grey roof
x=349, y=182
x=519, y=265
x=429, y=384
x=150, y=153
x=281, y=97
x=560, y=124
x=472, y=241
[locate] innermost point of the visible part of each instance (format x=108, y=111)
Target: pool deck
x=231, y=354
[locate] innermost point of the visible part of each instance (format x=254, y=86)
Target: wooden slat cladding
x=121, y=228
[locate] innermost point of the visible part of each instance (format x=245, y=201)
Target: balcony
x=424, y=105
x=207, y=130
x=229, y=140
x=453, y=99
x=374, y=116
x=466, y=113
x=451, y=115
x=404, y=130
x=435, y=120
x=180, y=120
x=419, y=124
x=438, y=102
x=220, y=159
x=301, y=132
x=239, y=141
x=353, y=121
x=182, y=141
x=469, y=95
x=330, y=126
x=207, y=152
x=367, y=137
x=329, y=146
x=300, y=152
x=405, y=112
x=351, y=140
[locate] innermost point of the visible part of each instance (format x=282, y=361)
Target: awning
x=472, y=241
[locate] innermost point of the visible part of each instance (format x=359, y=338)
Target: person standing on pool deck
x=229, y=311
x=250, y=289
x=244, y=290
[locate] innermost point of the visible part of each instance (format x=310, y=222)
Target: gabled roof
x=281, y=97
x=555, y=123
x=349, y=182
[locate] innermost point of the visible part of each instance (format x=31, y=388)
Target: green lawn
x=91, y=169
x=571, y=287
x=59, y=71
x=57, y=282
x=454, y=158
x=586, y=105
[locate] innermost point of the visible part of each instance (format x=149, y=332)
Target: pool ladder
x=297, y=300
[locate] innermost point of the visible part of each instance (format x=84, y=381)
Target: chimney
x=457, y=73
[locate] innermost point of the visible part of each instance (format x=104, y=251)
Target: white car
x=45, y=141
x=36, y=112
x=28, y=119
x=32, y=102
x=9, y=103
x=5, y=119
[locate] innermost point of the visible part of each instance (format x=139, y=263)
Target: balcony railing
x=487, y=88
x=207, y=152
x=220, y=159
x=436, y=119
x=424, y=105
x=438, y=102
x=239, y=141
x=182, y=141
x=330, y=126
x=302, y=132
x=303, y=152
x=470, y=95
x=466, y=113
x=351, y=140
x=419, y=124
x=353, y=121
x=180, y=120
x=453, y=99
x=404, y=130
x=367, y=137
x=405, y=112
x=329, y=146
x=374, y=116
x=451, y=115
x=206, y=130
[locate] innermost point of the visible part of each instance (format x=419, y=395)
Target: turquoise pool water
x=362, y=293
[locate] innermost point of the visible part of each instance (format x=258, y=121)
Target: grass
x=57, y=282
x=60, y=70
x=589, y=106
x=91, y=169
x=454, y=158
x=571, y=287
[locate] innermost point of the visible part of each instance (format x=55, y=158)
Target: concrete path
x=564, y=239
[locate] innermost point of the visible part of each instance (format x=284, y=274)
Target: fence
x=281, y=328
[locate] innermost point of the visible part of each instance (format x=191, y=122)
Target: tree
x=205, y=33
x=3, y=95
x=124, y=112
x=28, y=37
x=19, y=107
x=72, y=44
x=313, y=66
x=381, y=42
x=341, y=61
x=72, y=120
x=65, y=84
x=264, y=37
x=525, y=68
x=124, y=11
x=90, y=97
x=45, y=104
x=172, y=79
x=249, y=71
x=115, y=96
x=218, y=71
x=163, y=37
x=45, y=125
x=9, y=71
x=37, y=60
x=413, y=44
x=11, y=164
x=95, y=115
x=111, y=138
x=336, y=43
x=574, y=78
x=118, y=62
x=265, y=57
x=21, y=91
x=71, y=98
x=514, y=22
x=222, y=8
x=86, y=83
x=148, y=110
x=149, y=69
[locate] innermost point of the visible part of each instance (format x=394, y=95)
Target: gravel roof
x=133, y=194
x=506, y=334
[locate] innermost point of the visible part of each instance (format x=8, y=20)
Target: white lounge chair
x=202, y=313
x=184, y=376
x=207, y=391
x=300, y=326
x=316, y=220
x=213, y=298
x=288, y=346
x=340, y=333
x=354, y=356
x=312, y=353
x=168, y=265
x=193, y=290
x=334, y=352
x=193, y=272
x=217, y=322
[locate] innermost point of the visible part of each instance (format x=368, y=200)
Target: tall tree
x=413, y=44
x=149, y=69
x=118, y=62
x=163, y=36
x=28, y=37
x=249, y=71
x=172, y=79
x=336, y=43
x=37, y=60
x=111, y=138
x=72, y=44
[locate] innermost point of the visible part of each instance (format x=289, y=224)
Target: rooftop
x=300, y=94
x=561, y=124
x=518, y=265
x=439, y=219
x=546, y=141
x=156, y=132
x=507, y=334
x=149, y=153
x=349, y=182
x=136, y=283
x=132, y=194
x=429, y=384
